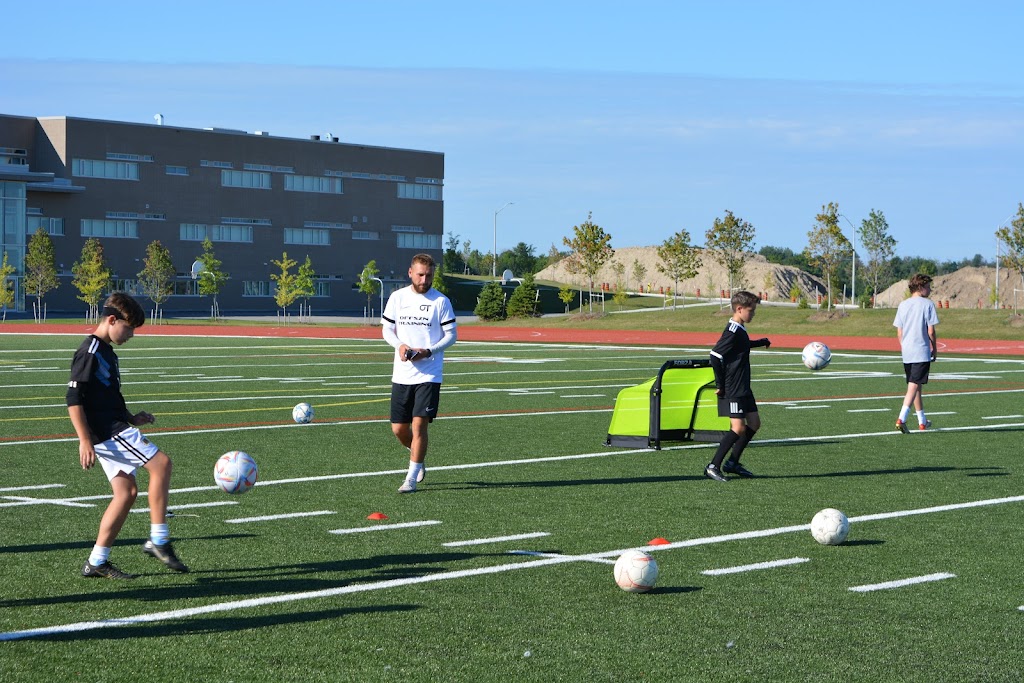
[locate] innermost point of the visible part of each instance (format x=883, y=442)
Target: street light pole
x=494, y=262
x=853, y=284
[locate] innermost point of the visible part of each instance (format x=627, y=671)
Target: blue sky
x=655, y=116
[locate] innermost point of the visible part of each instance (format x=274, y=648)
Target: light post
x=494, y=263
x=381, y=293
x=853, y=278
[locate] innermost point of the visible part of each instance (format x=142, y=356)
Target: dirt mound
x=711, y=280
x=966, y=288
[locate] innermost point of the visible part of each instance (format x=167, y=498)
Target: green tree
x=91, y=276
x=451, y=261
x=639, y=273
x=879, y=246
x=523, y=301
x=1012, y=237
x=621, y=295
x=567, y=295
x=211, y=277
x=520, y=260
x=305, y=282
x=157, y=275
x=287, y=291
x=619, y=271
x=827, y=246
x=591, y=248
x=368, y=286
x=440, y=284
x=679, y=259
x=40, y=270
x=6, y=285
x=728, y=240
x=491, y=304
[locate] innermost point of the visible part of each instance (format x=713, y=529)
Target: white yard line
x=33, y=487
x=268, y=518
x=495, y=539
x=754, y=567
x=186, y=506
x=384, y=527
x=902, y=582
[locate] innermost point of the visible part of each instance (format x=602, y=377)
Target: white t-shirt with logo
x=420, y=321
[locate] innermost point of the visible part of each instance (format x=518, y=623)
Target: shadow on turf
x=120, y=543
x=187, y=627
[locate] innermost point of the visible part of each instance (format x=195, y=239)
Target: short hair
x=745, y=299
x=424, y=259
x=919, y=282
x=123, y=307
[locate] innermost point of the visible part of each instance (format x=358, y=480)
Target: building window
x=268, y=167
x=418, y=191
x=110, y=170
x=410, y=240
x=52, y=226
x=235, y=220
x=322, y=288
x=311, y=236
x=312, y=183
x=406, y=228
x=176, y=170
x=197, y=232
x=327, y=224
x=216, y=164
x=92, y=227
x=365, y=235
x=262, y=288
x=253, y=180
x=115, y=156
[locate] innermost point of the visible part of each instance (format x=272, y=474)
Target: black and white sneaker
x=164, y=553
x=712, y=472
x=107, y=570
x=733, y=467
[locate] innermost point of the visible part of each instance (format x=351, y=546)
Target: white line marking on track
x=536, y=553
x=753, y=567
x=34, y=487
x=902, y=582
x=806, y=407
x=875, y=410
x=990, y=417
x=496, y=539
x=23, y=500
x=268, y=518
x=583, y=396
x=186, y=506
x=384, y=527
x=443, y=576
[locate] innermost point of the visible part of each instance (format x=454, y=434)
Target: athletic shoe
x=927, y=424
x=408, y=486
x=733, y=467
x=164, y=553
x=901, y=426
x=107, y=570
x=423, y=473
x=712, y=472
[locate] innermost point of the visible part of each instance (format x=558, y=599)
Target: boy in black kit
x=731, y=361
x=106, y=433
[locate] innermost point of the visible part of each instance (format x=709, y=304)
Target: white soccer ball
x=830, y=527
x=302, y=413
x=636, y=571
x=235, y=472
x=816, y=356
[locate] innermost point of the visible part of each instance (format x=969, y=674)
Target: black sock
x=724, y=445
x=741, y=443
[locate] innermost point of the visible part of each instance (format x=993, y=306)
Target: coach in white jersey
x=419, y=322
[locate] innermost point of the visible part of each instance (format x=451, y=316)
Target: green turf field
x=292, y=582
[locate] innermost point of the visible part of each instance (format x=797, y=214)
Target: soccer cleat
x=901, y=426
x=733, y=467
x=107, y=570
x=422, y=474
x=164, y=553
x=408, y=486
x=927, y=424
x=712, y=472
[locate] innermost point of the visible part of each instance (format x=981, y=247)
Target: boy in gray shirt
x=915, y=328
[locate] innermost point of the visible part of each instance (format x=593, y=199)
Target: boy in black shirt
x=106, y=433
x=730, y=359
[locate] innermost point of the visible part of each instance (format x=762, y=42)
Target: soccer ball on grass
x=816, y=356
x=636, y=571
x=830, y=527
x=302, y=413
x=235, y=472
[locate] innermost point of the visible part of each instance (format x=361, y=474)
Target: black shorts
x=736, y=407
x=414, y=400
x=917, y=373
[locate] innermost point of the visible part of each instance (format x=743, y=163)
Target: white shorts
x=125, y=452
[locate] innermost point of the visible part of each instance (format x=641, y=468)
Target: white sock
x=920, y=417
x=414, y=470
x=159, y=534
x=99, y=555
x=905, y=413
